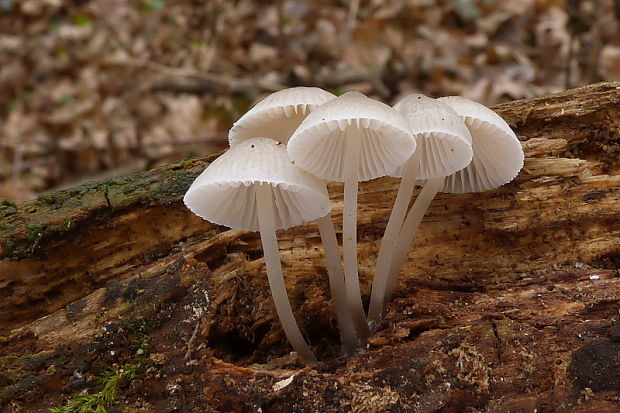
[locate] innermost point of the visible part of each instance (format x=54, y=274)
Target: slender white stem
x=392, y=230
x=352, y=148
x=266, y=223
x=409, y=230
x=336, y=281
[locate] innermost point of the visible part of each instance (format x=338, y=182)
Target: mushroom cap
x=443, y=140
x=224, y=193
x=278, y=115
x=318, y=144
x=498, y=154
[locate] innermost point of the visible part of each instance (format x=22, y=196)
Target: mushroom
x=352, y=138
x=443, y=147
x=254, y=186
x=497, y=159
x=277, y=116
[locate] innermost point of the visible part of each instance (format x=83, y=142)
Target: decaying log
x=509, y=301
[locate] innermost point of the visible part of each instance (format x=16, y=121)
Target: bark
x=509, y=300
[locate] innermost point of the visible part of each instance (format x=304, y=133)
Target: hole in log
x=608, y=261
x=213, y=257
x=243, y=327
x=233, y=346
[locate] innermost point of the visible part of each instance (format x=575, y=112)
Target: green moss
x=105, y=188
x=27, y=228
x=137, y=185
x=11, y=375
x=66, y=198
x=33, y=239
x=7, y=208
x=118, y=181
x=37, y=233
x=47, y=199
x=141, y=325
x=107, y=397
x=7, y=227
x=7, y=362
x=140, y=340
x=11, y=369
x=27, y=385
x=9, y=246
x=173, y=187
x=18, y=375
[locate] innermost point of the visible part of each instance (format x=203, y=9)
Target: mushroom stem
x=266, y=223
x=386, y=250
x=409, y=230
x=352, y=148
x=336, y=281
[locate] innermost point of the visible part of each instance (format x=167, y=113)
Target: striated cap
x=443, y=140
x=318, y=144
x=278, y=115
x=498, y=155
x=224, y=193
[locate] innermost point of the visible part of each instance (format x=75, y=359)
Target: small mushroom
x=278, y=115
x=352, y=138
x=498, y=154
x=443, y=147
x=254, y=186
x=497, y=159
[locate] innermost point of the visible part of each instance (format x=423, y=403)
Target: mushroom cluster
x=284, y=149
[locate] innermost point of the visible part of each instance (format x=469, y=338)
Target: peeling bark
x=509, y=300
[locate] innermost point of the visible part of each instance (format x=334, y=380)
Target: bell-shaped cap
x=498, y=155
x=443, y=140
x=278, y=115
x=318, y=144
x=224, y=193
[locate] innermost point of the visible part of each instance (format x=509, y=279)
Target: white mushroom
x=497, y=159
x=443, y=147
x=278, y=115
x=498, y=155
x=255, y=187
x=352, y=138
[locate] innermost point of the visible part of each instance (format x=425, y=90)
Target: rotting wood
x=509, y=301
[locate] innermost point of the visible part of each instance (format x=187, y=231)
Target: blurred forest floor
x=96, y=89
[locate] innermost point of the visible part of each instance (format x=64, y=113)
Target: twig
x=181, y=83
x=184, y=80
x=190, y=343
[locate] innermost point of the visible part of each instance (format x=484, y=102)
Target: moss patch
x=7, y=208
x=99, y=402
x=28, y=228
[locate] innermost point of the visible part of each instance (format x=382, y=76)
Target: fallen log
x=509, y=300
